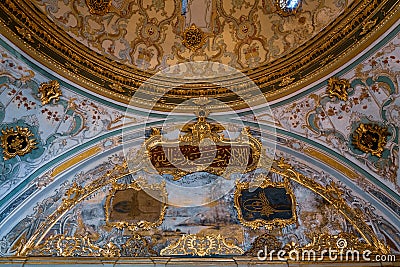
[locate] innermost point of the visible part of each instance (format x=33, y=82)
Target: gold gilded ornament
x=99, y=7
x=193, y=38
x=229, y=156
x=16, y=142
x=50, y=91
x=338, y=88
x=370, y=138
x=199, y=245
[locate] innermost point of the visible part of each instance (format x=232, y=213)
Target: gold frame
x=50, y=91
x=139, y=184
x=266, y=182
x=195, y=134
x=382, y=133
x=18, y=131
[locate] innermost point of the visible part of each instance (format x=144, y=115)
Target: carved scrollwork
x=50, y=91
x=256, y=209
x=338, y=88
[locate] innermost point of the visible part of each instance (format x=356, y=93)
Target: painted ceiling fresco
x=68, y=187
x=148, y=35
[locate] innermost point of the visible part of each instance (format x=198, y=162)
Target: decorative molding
x=199, y=245
x=331, y=193
x=94, y=72
x=83, y=246
x=17, y=142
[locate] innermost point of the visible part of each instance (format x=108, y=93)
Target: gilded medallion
x=99, y=7
x=193, y=38
x=370, y=138
x=16, y=142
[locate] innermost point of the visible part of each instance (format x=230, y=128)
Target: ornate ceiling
x=132, y=41
x=86, y=90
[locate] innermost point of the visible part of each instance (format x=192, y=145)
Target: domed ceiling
x=112, y=47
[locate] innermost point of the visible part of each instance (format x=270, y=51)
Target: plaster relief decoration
x=71, y=220
x=369, y=95
x=50, y=91
x=64, y=122
x=370, y=138
x=136, y=205
x=198, y=245
x=17, y=141
x=271, y=204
